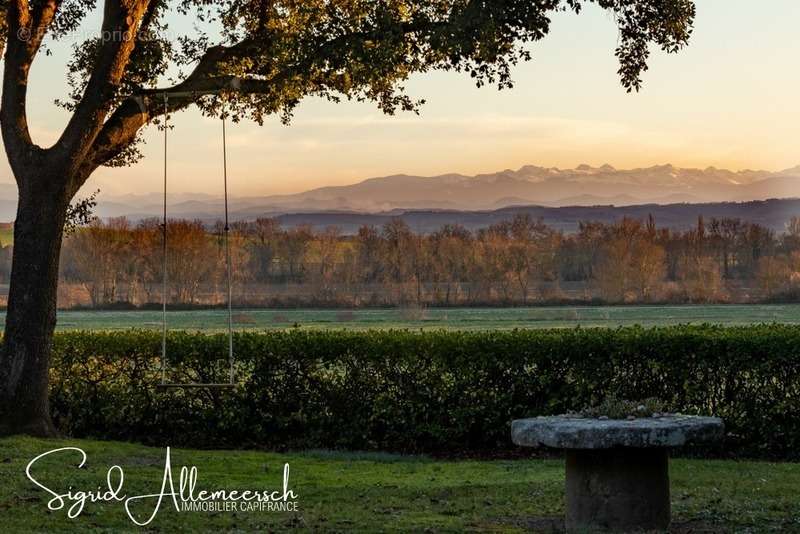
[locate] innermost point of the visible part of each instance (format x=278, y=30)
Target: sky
x=729, y=100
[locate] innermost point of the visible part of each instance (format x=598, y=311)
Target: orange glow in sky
x=728, y=100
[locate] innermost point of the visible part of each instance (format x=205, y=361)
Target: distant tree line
x=516, y=262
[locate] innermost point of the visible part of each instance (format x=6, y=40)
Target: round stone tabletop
x=571, y=432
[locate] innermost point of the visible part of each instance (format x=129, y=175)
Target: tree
x=268, y=56
x=451, y=259
x=725, y=233
x=293, y=247
x=632, y=265
x=370, y=253
x=328, y=251
x=648, y=268
x=191, y=258
x=773, y=275
x=399, y=248
x=148, y=248
x=96, y=256
x=263, y=236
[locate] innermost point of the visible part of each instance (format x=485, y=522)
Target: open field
x=344, y=492
x=434, y=318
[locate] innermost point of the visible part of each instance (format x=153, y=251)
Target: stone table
x=617, y=470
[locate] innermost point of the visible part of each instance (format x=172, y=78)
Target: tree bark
x=31, y=315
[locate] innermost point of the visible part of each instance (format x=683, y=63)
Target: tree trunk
x=31, y=315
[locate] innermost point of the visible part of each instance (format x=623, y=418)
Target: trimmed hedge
x=444, y=392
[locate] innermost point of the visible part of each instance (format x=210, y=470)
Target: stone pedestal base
x=619, y=489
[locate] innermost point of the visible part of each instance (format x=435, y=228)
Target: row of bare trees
x=520, y=261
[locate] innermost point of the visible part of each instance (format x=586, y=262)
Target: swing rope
x=227, y=229
x=228, y=270
x=164, y=256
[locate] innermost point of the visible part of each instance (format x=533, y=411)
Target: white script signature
x=187, y=493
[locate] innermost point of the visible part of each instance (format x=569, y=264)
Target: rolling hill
x=562, y=196
x=529, y=185
x=773, y=214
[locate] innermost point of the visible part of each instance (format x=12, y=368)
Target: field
x=371, y=492
x=433, y=318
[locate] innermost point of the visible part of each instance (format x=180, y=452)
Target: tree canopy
x=262, y=57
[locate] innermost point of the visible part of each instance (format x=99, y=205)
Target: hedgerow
x=437, y=392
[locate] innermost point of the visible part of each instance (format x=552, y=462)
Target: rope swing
x=228, y=270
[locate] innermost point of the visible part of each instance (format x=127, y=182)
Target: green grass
x=434, y=318
x=342, y=492
x=6, y=236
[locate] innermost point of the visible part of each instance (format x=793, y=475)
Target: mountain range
x=582, y=186
x=528, y=186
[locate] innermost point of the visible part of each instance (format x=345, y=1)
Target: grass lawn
x=434, y=318
x=373, y=492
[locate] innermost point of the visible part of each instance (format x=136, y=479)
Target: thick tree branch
x=135, y=112
x=121, y=129
x=19, y=13
x=120, y=25
x=24, y=34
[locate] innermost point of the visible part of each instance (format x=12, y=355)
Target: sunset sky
x=728, y=100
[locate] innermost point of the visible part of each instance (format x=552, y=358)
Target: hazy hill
x=529, y=185
x=583, y=186
x=773, y=214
